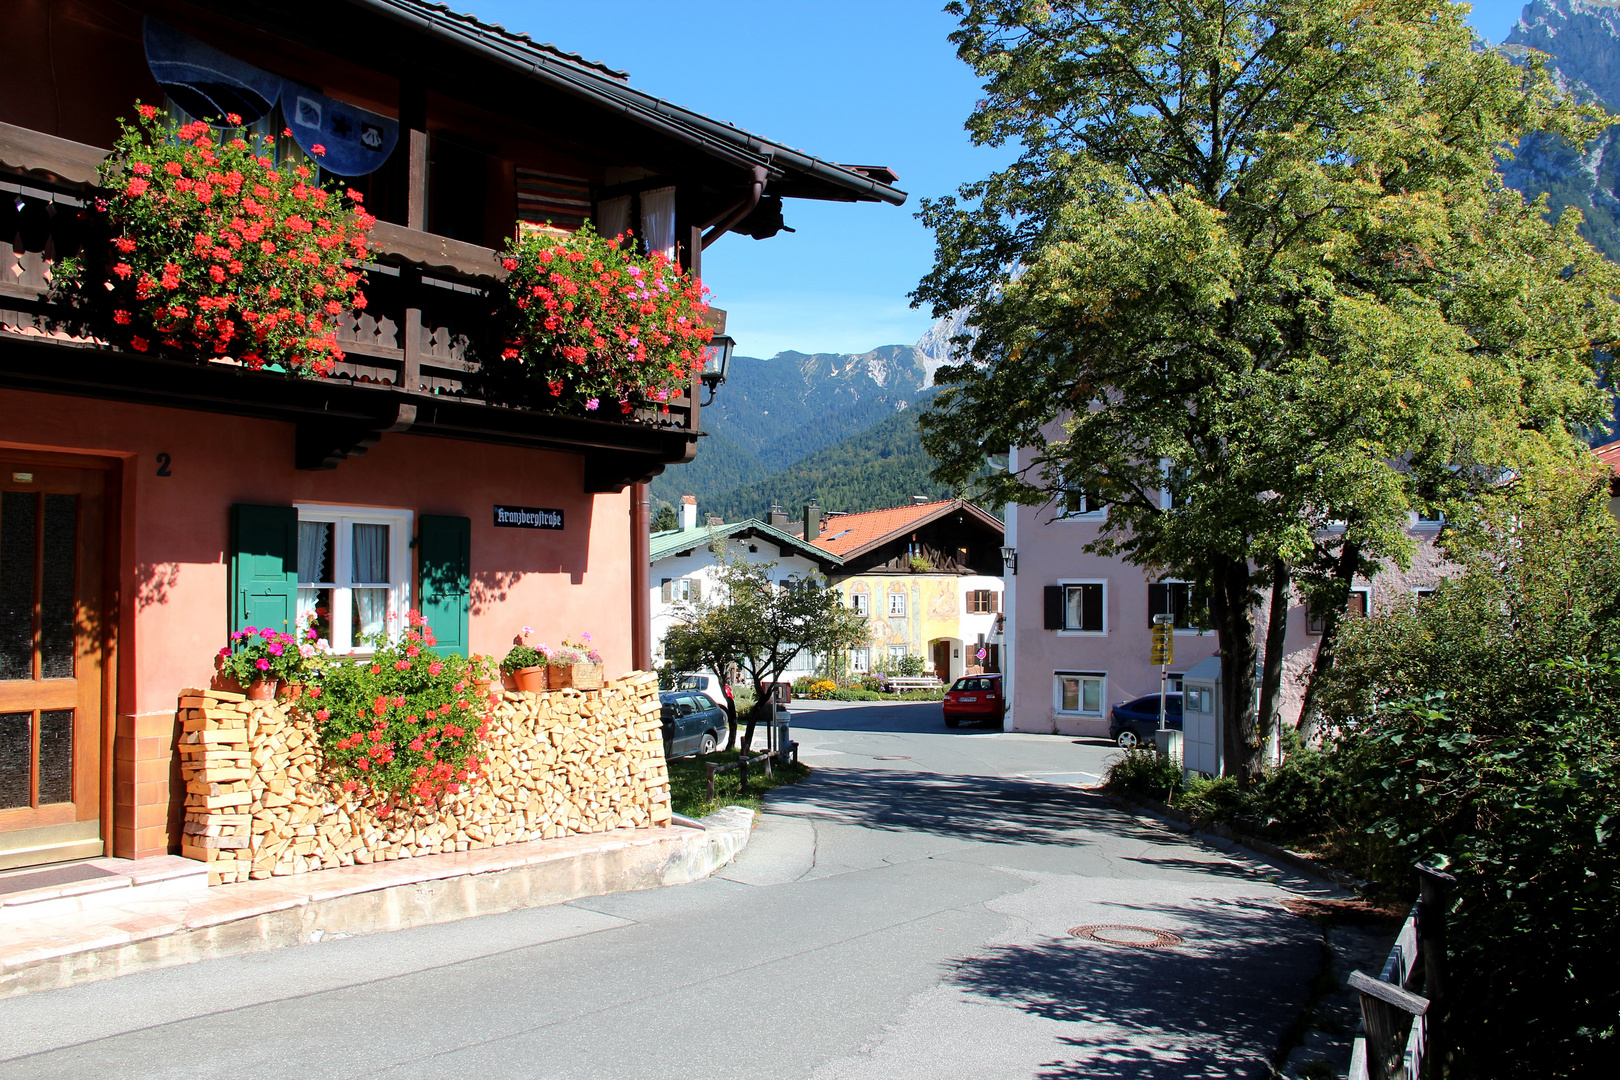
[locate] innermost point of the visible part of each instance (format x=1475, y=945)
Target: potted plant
x=485, y=672
x=526, y=665
x=575, y=664
x=590, y=324
x=258, y=659
x=219, y=252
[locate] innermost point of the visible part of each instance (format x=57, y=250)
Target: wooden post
x=711, y=768
x=742, y=771
x=1434, y=884
x=414, y=339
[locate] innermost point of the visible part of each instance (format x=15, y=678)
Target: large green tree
x=1257, y=252
x=758, y=625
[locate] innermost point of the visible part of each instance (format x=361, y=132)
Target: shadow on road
x=909, y=718
x=971, y=808
x=1215, y=1007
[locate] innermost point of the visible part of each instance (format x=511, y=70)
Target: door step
x=98, y=883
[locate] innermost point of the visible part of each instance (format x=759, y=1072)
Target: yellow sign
x=1164, y=645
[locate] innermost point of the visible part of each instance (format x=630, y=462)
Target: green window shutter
x=667, y=591
x=444, y=562
x=264, y=567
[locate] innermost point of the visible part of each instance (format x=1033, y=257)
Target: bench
x=901, y=683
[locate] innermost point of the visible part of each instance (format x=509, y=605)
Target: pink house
x=1079, y=625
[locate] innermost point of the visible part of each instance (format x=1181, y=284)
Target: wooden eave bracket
x=322, y=443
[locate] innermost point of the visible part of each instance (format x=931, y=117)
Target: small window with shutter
x=1083, y=607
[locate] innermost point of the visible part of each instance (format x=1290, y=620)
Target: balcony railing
x=428, y=296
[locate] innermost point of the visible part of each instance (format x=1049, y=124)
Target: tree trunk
x=1344, y=575
x=1231, y=605
x=1276, y=641
x=758, y=712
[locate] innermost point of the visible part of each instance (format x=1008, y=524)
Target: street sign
x=1164, y=642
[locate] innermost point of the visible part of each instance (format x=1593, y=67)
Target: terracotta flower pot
x=577, y=676
x=292, y=691
x=530, y=680
x=262, y=690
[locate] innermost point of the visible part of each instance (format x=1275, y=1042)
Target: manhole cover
x=891, y=757
x=1132, y=937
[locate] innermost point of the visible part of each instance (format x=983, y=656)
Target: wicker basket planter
x=576, y=676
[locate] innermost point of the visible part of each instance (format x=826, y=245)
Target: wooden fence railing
x=1402, y=1030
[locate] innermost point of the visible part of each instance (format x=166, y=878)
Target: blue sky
x=872, y=82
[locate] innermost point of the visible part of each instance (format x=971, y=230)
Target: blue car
x=1132, y=723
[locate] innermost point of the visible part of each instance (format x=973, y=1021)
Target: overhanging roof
x=807, y=176
x=851, y=535
x=675, y=541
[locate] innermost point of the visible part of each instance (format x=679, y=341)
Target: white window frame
x=897, y=599
x=1366, y=611
x=1086, y=511
x=401, y=566
x=860, y=660
x=1071, y=631
x=1424, y=592
x=898, y=652
x=1082, y=677
x=861, y=603
x=1427, y=523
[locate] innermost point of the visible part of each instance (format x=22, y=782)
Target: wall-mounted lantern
x=1009, y=559
x=716, y=362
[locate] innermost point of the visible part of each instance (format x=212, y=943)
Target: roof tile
x=849, y=532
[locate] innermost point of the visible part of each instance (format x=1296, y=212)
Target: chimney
x=688, y=513
x=777, y=518
x=812, y=522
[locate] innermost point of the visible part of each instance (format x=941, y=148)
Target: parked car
x=705, y=683
x=692, y=723
x=974, y=697
x=1132, y=723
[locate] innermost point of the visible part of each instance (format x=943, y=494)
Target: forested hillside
x=884, y=466
x=773, y=413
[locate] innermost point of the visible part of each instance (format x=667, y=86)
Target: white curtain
x=314, y=541
x=370, y=554
x=370, y=613
x=613, y=216
x=658, y=220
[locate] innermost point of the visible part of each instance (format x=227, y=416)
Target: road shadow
x=986, y=809
x=899, y=718
x=1217, y=1006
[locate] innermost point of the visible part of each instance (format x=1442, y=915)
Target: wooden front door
x=51, y=538
x=942, y=661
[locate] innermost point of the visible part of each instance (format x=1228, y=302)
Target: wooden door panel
x=51, y=554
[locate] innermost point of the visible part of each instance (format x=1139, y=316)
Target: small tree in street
x=1257, y=253
x=760, y=626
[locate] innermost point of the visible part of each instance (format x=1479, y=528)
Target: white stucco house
x=685, y=567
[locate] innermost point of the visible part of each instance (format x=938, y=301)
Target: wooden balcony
x=412, y=354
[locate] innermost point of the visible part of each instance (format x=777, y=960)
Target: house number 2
x=163, y=465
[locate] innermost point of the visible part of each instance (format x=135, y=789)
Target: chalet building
x=1079, y=625
x=150, y=505
x=685, y=567
x=926, y=576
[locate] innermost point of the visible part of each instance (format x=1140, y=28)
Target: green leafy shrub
x=405, y=723
x=1143, y=772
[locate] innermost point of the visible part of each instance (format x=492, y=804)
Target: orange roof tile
x=851, y=532
x=1609, y=455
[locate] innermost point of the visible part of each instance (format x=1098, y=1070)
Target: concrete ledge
x=275, y=913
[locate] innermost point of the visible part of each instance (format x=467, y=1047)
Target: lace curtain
x=658, y=220
x=613, y=216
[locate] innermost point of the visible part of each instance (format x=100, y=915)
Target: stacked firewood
x=258, y=803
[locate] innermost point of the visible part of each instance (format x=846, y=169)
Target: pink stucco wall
x=1049, y=553
x=175, y=530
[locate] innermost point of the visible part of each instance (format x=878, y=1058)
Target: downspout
x=718, y=227
x=640, y=579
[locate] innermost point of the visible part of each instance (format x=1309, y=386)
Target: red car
x=974, y=697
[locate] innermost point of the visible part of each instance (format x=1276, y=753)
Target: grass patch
x=689, y=791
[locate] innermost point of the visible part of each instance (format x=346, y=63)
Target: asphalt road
x=906, y=912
